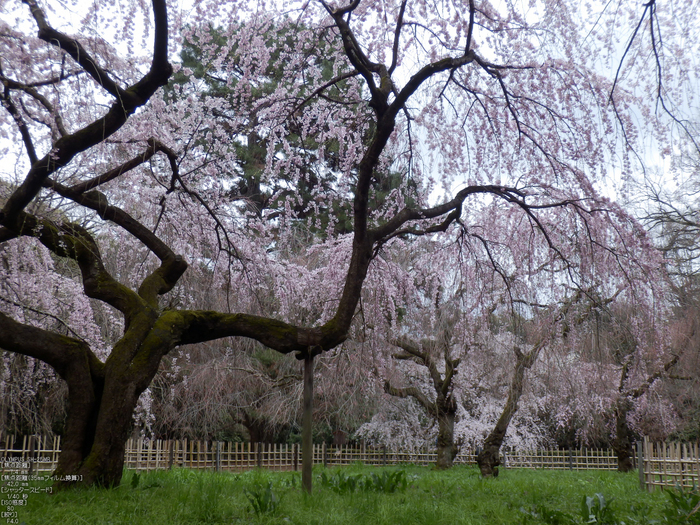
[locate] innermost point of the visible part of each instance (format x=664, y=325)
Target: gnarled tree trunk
x=490, y=457
x=622, y=444
x=446, y=448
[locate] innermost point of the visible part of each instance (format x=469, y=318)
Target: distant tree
x=601, y=382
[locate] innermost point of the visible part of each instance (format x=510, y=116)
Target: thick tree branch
x=59, y=351
x=154, y=146
x=197, y=326
x=413, y=392
x=75, y=242
x=423, y=357
x=647, y=384
x=388, y=229
x=74, y=49
x=172, y=266
x=424, y=74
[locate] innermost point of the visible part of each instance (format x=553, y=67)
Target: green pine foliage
x=249, y=185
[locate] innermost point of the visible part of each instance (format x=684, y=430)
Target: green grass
x=457, y=496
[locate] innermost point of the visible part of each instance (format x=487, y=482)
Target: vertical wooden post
x=218, y=457
x=384, y=455
x=54, y=454
x=664, y=462
x=640, y=464
x=295, y=453
x=32, y=446
x=171, y=453
x=307, y=444
x=324, y=453
x=696, y=455
x=149, y=455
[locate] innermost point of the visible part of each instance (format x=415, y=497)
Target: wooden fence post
x=640, y=465
x=218, y=457
x=325, y=454
x=32, y=446
x=171, y=453
x=295, y=453
x=384, y=455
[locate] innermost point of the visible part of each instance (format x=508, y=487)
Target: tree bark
x=622, y=444
x=446, y=450
x=490, y=457
x=258, y=429
x=444, y=408
x=97, y=438
x=96, y=432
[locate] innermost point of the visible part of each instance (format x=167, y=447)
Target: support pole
x=307, y=452
x=640, y=465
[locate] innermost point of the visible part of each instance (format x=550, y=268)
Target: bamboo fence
x=582, y=459
x=664, y=465
x=661, y=465
x=37, y=454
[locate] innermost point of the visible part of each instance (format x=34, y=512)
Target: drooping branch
x=34, y=93
x=154, y=146
x=650, y=8
x=172, y=266
x=128, y=100
x=75, y=242
x=74, y=49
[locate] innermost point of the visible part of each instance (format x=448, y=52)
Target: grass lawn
x=457, y=496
